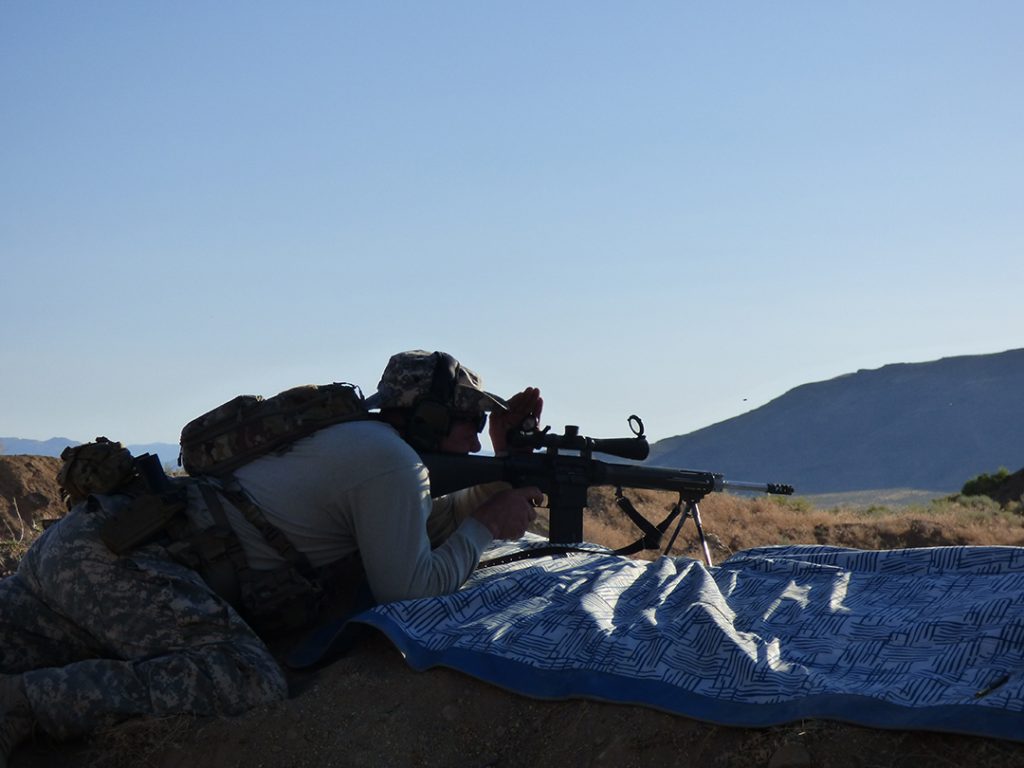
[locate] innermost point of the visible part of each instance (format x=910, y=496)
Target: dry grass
x=15, y=539
x=734, y=523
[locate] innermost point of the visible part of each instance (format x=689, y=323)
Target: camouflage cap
x=410, y=375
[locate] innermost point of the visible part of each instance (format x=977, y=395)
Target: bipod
x=691, y=510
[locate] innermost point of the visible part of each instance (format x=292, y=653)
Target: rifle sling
x=552, y=550
x=652, y=533
x=650, y=540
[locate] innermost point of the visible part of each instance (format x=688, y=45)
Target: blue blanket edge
x=524, y=679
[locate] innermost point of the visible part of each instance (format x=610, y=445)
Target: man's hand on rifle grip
x=507, y=514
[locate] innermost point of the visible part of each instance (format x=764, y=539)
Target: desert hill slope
x=910, y=425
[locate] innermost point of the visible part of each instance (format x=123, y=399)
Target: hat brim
x=485, y=401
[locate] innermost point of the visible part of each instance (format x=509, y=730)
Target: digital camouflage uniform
x=101, y=638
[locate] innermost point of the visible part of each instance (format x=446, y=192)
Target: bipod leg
x=693, y=509
x=679, y=525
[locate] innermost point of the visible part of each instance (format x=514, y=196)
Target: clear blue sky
x=677, y=209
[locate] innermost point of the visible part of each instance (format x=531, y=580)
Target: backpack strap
x=279, y=600
x=221, y=559
x=274, y=536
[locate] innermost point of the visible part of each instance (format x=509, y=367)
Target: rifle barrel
x=776, y=488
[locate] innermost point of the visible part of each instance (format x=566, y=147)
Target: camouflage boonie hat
x=410, y=375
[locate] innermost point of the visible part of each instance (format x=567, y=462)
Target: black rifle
x=565, y=478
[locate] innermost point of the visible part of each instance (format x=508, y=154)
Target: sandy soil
x=368, y=710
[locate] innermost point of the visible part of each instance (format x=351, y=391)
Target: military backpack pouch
x=141, y=521
x=249, y=426
x=279, y=600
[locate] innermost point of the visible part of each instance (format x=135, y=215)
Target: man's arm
x=390, y=528
x=448, y=511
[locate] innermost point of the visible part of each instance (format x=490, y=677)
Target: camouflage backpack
x=249, y=426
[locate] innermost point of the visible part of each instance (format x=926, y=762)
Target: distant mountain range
x=928, y=426
x=168, y=452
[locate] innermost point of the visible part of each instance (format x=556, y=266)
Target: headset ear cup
x=431, y=416
x=429, y=423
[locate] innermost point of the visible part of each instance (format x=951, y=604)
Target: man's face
x=464, y=435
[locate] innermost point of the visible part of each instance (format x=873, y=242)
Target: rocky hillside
x=29, y=494
x=927, y=426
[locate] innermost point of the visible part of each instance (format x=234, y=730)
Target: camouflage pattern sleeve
x=101, y=638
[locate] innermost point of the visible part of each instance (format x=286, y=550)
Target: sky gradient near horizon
x=680, y=210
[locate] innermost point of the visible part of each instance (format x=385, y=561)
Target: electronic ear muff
x=430, y=417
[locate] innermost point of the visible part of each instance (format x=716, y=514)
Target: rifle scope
x=636, y=447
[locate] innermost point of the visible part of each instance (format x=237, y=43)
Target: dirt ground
x=370, y=709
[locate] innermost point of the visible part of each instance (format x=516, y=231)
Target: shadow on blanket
x=917, y=639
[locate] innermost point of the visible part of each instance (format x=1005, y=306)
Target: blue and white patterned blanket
x=912, y=639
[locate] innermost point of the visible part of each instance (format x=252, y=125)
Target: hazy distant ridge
x=13, y=446
x=910, y=425
x=168, y=452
